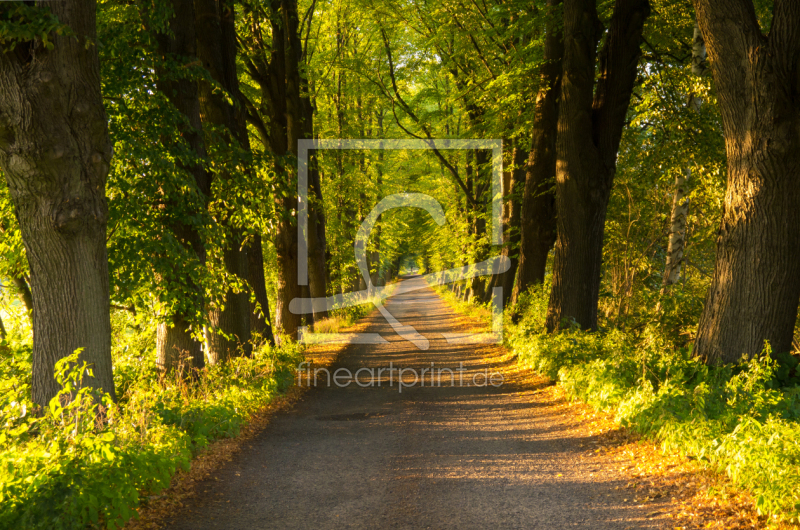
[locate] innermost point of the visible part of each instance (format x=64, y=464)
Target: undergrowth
x=87, y=461
x=479, y=312
x=344, y=317
x=739, y=419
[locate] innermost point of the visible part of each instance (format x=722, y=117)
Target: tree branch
x=407, y=110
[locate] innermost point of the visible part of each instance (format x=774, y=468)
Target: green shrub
x=741, y=420
x=85, y=461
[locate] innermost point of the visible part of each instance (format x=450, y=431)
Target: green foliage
x=154, y=201
x=20, y=22
x=84, y=461
x=13, y=262
x=742, y=419
x=460, y=71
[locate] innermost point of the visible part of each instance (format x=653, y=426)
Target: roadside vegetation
x=84, y=460
x=153, y=216
x=740, y=419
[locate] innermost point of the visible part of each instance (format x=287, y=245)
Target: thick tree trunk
x=287, y=240
x=538, y=221
x=267, y=67
x=589, y=132
x=175, y=344
x=754, y=293
x=176, y=348
x=288, y=289
x=477, y=285
x=216, y=48
x=388, y=274
x=680, y=200
x=276, y=69
x=55, y=153
x=228, y=332
x=317, y=240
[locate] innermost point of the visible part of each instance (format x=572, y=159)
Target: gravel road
x=461, y=456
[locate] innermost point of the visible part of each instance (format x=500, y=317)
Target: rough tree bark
x=267, y=67
x=538, y=221
x=287, y=241
x=589, y=132
x=216, y=48
x=754, y=293
x=317, y=240
x=482, y=180
x=680, y=201
x=175, y=345
x=55, y=154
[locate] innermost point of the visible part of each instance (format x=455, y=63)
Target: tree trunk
x=275, y=67
x=55, y=153
x=513, y=218
x=176, y=348
x=260, y=323
x=216, y=48
x=288, y=288
x=175, y=344
x=677, y=230
x=378, y=274
x=589, y=132
x=295, y=126
x=228, y=331
x=538, y=219
x=317, y=242
x=477, y=285
x=680, y=201
x=280, y=85
x=755, y=290
x=477, y=185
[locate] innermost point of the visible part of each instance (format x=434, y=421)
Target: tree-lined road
x=441, y=457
